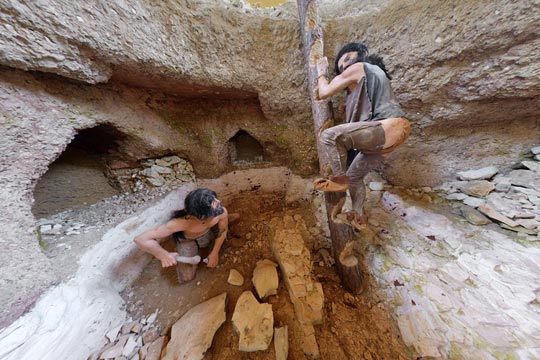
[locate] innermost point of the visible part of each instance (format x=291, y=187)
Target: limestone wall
x=39, y=118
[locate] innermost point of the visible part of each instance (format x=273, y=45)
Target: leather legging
x=366, y=137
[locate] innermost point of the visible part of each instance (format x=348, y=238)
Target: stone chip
x=235, y=278
x=265, y=278
x=281, y=343
x=474, y=216
x=532, y=165
x=478, y=174
x=253, y=322
x=478, y=188
x=492, y=213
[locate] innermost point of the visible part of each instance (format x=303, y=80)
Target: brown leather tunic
x=372, y=99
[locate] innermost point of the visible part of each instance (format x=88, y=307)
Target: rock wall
x=164, y=74
x=39, y=118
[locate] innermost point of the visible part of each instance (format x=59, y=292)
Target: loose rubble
x=511, y=199
x=64, y=235
x=464, y=291
x=167, y=171
x=132, y=340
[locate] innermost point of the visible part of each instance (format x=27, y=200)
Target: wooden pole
x=342, y=237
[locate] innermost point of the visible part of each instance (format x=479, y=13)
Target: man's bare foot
x=358, y=222
x=336, y=209
x=333, y=184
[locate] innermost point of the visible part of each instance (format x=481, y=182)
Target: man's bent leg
x=336, y=144
x=360, y=167
x=335, y=150
x=186, y=272
x=338, y=140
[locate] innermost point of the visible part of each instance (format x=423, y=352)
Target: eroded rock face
x=42, y=122
x=158, y=56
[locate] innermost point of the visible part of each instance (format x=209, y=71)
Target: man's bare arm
x=147, y=241
x=223, y=225
x=351, y=75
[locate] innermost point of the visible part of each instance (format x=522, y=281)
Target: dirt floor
x=355, y=327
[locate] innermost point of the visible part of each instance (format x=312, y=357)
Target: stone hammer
x=191, y=259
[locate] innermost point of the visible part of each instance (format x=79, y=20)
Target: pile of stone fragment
x=167, y=171
x=512, y=199
x=133, y=340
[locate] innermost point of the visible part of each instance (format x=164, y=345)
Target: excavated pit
x=354, y=327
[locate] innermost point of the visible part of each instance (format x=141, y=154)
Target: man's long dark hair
x=198, y=203
x=363, y=56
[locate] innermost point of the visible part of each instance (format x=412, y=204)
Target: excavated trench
x=80, y=205
x=258, y=196
x=354, y=327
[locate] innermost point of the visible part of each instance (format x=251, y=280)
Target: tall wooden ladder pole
x=347, y=264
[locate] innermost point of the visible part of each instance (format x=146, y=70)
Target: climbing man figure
x=203, y=220
x=375, y=125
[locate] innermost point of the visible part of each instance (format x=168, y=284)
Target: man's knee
x=185, y=272
x=329, y=136
x=187, y=248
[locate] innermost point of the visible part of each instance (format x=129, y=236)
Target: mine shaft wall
x=464, y=72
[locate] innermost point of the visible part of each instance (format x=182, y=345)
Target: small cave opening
x=245, y=149
x=78, y=177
